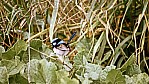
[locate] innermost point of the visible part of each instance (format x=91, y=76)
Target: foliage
x=110, y=47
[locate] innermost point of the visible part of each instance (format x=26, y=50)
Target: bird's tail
x=72, y=36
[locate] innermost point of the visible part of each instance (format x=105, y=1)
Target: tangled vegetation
x=111, y=45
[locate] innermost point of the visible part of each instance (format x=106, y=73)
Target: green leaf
x=83, y=45
x=83, y=48
x=15, y=50
x=106, y=57
x=117, y=49
x=46, y=49
x=35, y=55
x=87, y=81
x=62, y=77
x=13, y=66
x=36, y=43
x=93, y=71
x=44, y=72
x=130, y=61
x=97, y=45
x=115, y=77
x=35, y=48
x=41, y=71
x=78, y=60
x=101, y=51
x=104, y=72
x=17, y=79
x=141, y=78
x=132, y=69
x=3, y=75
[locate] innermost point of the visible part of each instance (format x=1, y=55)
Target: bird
x=60, y=47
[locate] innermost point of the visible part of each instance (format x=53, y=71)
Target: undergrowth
x=110, y=47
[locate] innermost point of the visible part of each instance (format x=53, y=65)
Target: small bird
x=60, y=47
